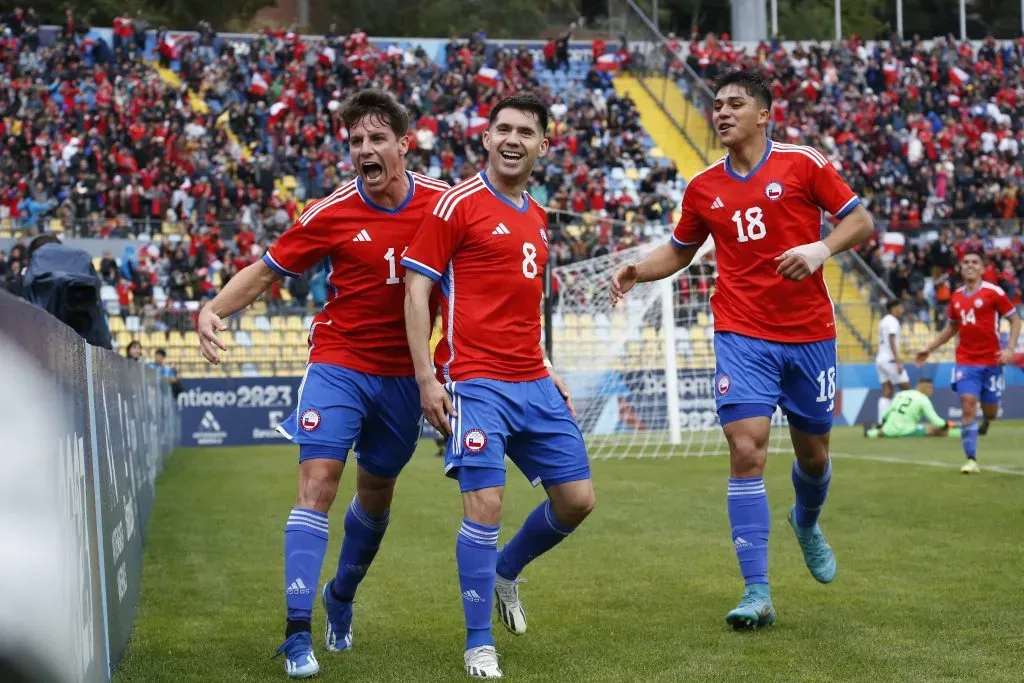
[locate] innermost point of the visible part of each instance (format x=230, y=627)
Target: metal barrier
x=84, y=434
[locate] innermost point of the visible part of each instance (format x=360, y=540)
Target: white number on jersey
x=827, y=393
x=393, y=278
x=996, y=384
x=967, y=317
x=754, y=229
x=529, y=260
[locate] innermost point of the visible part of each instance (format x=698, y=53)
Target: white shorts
x=887, y=373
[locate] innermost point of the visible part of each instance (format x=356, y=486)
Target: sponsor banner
x=236, y=412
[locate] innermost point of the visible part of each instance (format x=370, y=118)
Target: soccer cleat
x=754, y=611
x=510, y=610
x=818, y=553
x=482, y=662
x=339, y=620
x=983, y=426
x=299, y=661
x=971, y=467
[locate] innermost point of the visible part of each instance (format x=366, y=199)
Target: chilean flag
x=258, y=85
x=607, y=63
x=477, y=125
x=487, y=76
x=959, y=76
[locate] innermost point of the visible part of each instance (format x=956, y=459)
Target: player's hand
x=622, y=282
x=437, y=407
x=563, y=389
x=921, y=358
x=801, y=262
x=1005, y=356
x=208, y=326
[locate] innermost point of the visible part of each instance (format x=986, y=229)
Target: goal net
x=642, y=373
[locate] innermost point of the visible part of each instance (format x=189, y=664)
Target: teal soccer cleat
x=818, y=553
x=754, y=611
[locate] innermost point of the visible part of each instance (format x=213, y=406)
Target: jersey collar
x=753, y=171
x=520, y=209
x=383, y=209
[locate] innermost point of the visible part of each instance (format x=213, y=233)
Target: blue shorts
x=527, y=420
x=754, y=376
x=339, y=408
x=984, y=381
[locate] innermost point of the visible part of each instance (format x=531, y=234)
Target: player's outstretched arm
x=239, y=292
x=666, y=260
x=944, y=336
x=433, y=398
x=801, y=262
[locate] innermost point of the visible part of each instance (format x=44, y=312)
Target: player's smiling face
x=738, y=115
x=514, y=142
x=377, y=153
x=971, y=267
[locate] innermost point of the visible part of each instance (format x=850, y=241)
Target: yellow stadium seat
x=278, y=322
x=649, y=333
x=275, y=338
x=294, y=322
x=247, y=323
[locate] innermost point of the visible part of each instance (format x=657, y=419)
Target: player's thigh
x=475, y=454
x=967, y=380
x=748, y=377
x=332, y=403
x=391, y=428
x=992, y=385
x=897, y=432
x=809, y=386
x=547, y=445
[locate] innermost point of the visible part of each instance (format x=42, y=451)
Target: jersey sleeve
x=434, y=243
x=951, y=312
x=929, y=413
x=1004, y=305
x=889, y=328
x=830, y=192
x=300, y=247
x=691, y=230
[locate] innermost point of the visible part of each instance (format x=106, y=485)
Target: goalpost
x=642, y=373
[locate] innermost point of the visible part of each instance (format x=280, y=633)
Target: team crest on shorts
x=723, y=384
x=474, y=440
x=309, y=420
x=774, y=190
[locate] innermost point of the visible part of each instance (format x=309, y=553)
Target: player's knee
x=969, y=404
x=747, y=455
x=374, y=493
x=571, y=511
x=318, y=484
x=483, y=505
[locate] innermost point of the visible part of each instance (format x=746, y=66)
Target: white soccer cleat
x=482, y=662
x=510, y=610
x=971, y=467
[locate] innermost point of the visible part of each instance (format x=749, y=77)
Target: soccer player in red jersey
x=775, y=335
x=974, y=312
x=485, y=244
x=359, y=388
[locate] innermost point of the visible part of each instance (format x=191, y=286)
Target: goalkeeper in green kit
x=904, y=415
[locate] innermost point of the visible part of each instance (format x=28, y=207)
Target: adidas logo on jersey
x=363, y=236
x=501, y=230
x=718, y=203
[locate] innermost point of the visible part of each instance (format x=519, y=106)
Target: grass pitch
x=928, y=589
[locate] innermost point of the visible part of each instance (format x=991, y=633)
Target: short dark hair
x=751, y=80
x=925, y=380
x=974, y=252
x=160, y=352
x=525, y=102
x=378, y=104
x=891, y=304
x=38, y=242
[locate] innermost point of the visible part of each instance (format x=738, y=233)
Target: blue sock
x=540, y=533
x=750, y=520
x=476, y=553
x=363, y=535
x=305, y=544
x=969, y=439
x=810, y=494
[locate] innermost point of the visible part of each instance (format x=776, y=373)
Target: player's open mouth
x=372, y=171
x=724, y=127
x=511, y=156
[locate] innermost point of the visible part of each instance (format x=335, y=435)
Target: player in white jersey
x=891, y=372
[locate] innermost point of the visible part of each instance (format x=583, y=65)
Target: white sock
x=883, y=405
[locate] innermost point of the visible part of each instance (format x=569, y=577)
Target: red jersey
x=488, y=255
x=977, y=314
x=753, y=220
x=362, y=325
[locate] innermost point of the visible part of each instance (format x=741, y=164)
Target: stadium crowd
x=218, y=144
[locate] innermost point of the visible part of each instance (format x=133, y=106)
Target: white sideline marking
x=1002, y=469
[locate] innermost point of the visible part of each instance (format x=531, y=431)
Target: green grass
x=929, y=583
